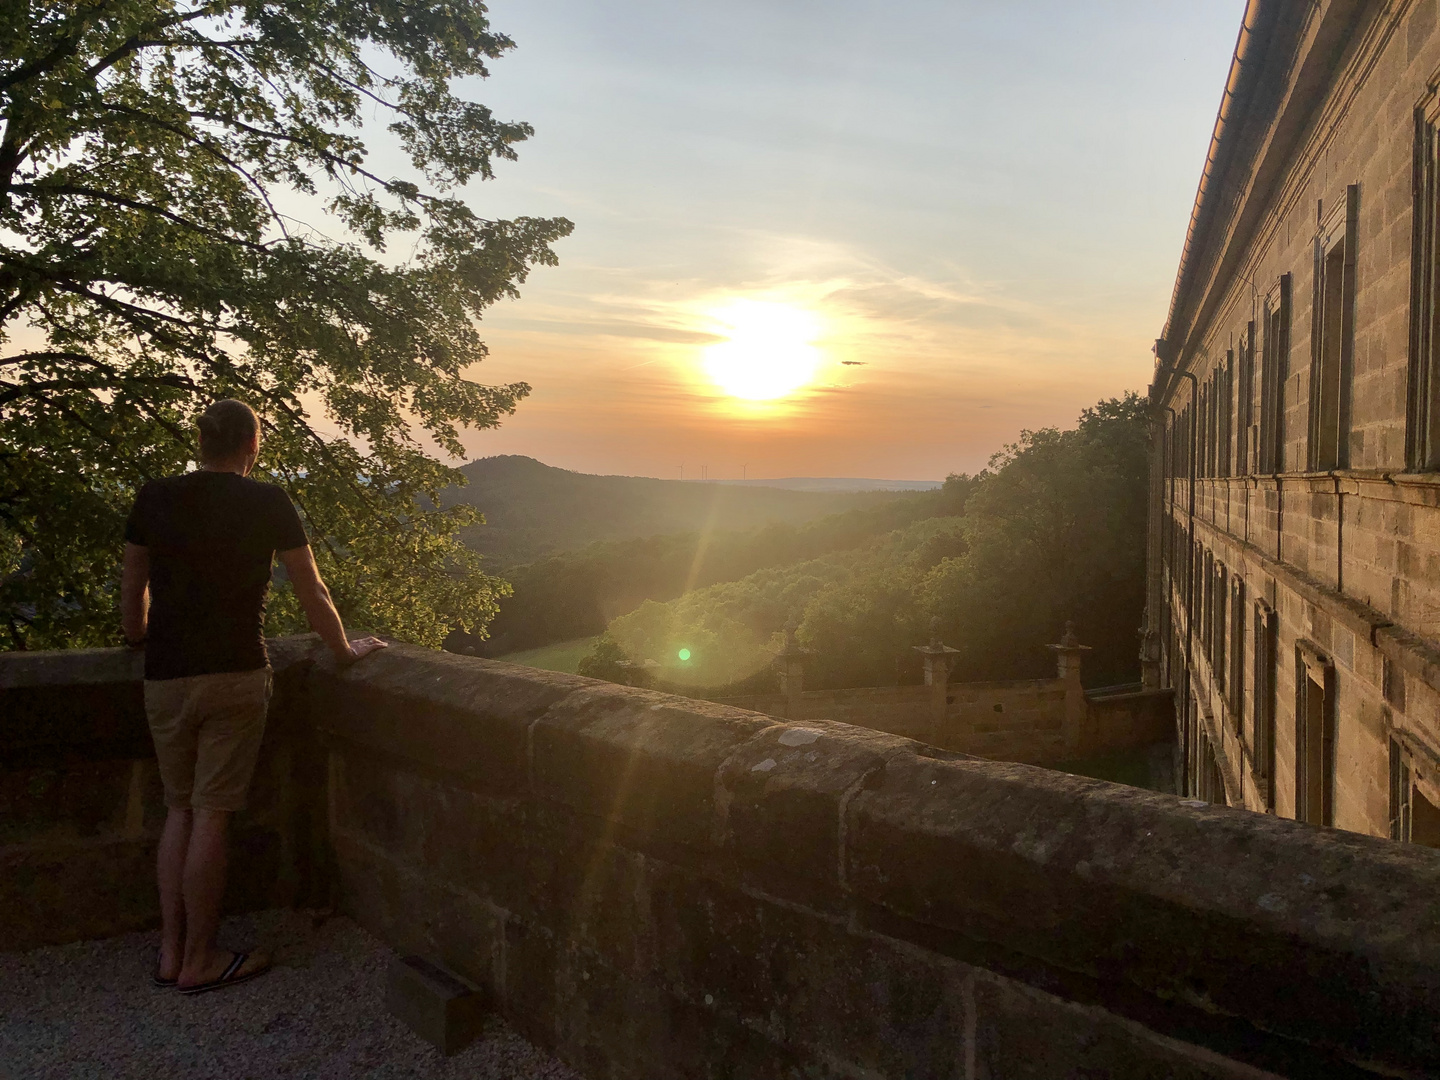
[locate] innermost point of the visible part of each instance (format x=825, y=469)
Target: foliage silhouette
x=151, y=155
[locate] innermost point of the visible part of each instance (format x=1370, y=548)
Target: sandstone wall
x=1346, y=557
x=661, y=887
x=81, y=804
x=1021, y=720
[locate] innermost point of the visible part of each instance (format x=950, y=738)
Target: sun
x=769, y=351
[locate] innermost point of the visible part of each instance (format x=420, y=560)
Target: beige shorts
x=207, y=731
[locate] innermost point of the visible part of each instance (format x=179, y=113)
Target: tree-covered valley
x=1051, y=531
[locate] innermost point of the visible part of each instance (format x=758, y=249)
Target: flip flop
x=229, y=977
x=159, y=981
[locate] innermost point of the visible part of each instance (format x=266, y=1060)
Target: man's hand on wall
x=362, y=647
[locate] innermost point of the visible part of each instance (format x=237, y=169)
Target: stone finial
x=1069, y=641
x=792, y=649
x=936, y=648
x=1068, y=653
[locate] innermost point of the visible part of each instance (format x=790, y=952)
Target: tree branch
x=135, y=204
x=16, y=391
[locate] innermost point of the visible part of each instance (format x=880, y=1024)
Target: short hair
x=226, y=428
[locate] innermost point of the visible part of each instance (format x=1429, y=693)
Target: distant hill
x=839, y=483
x=533, y=510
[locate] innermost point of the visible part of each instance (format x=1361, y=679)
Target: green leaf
x=145, y=271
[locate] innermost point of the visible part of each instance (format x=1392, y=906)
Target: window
x=1314, y=736
x=1209, y=780
x=1237, y=653
x=1202, y=417
x=1333, y=337
x=1217, y=622
x=1194, y=586
x=1274, y=370
x=1246, y=440
x=1399, y=793
x=1224, y=404
x=1414, y=815
x=1212, y=423
x=1422, y=418
x=1424, y=819
x=1267, y=669
x=1207, y=604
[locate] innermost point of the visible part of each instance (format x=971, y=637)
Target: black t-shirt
x=212, y=537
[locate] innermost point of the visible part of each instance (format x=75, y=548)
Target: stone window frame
x=1224, y=413
x=1205, y=417
x=1274, y=371
x=1422, y=409
x=1265, y=700
x=1236, y=679
x=1314, y=667
x=1332, y=371
x=1414, y=765
x=1247, y=431
x=1218, y=619
x=1206, y=605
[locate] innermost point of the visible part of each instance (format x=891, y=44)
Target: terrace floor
x=88, y=1010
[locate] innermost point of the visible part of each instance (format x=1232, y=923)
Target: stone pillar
x=791, y=662
x=938, y=658
x=1067, y=663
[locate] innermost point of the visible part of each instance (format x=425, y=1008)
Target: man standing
x=198, y=557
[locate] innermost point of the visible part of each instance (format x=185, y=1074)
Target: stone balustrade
x=654, y=886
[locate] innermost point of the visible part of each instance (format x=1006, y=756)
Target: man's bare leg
x=204, y=888
x=170, y=870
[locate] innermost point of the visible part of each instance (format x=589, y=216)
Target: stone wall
x=661, y=887
x=1023, y=720
x=1130, y=719
x=654, y=886
x=81, y=804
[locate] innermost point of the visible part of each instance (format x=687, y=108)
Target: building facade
x=1294, y=601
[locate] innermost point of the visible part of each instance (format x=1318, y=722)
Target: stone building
x=1295, y=529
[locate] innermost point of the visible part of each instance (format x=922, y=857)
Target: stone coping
x=1323, y=937
x=1317, y=934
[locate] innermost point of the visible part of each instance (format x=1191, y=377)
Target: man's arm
x=320, y=609
x=135, y=592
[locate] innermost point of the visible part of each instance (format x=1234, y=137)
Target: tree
x=154, y=158
x=1052, y=531
x=606, y=660
x=1055, y=531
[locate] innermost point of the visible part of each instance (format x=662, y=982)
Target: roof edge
x=1251, y=44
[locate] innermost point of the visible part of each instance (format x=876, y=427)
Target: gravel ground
x=88, y=1010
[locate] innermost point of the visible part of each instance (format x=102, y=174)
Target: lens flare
x=769, y=351
x=684, y=654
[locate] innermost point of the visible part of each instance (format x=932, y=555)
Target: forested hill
x=1052, y=531
x=533, y=510
x=575, y=594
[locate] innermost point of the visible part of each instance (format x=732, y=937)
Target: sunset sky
x=947, y=220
